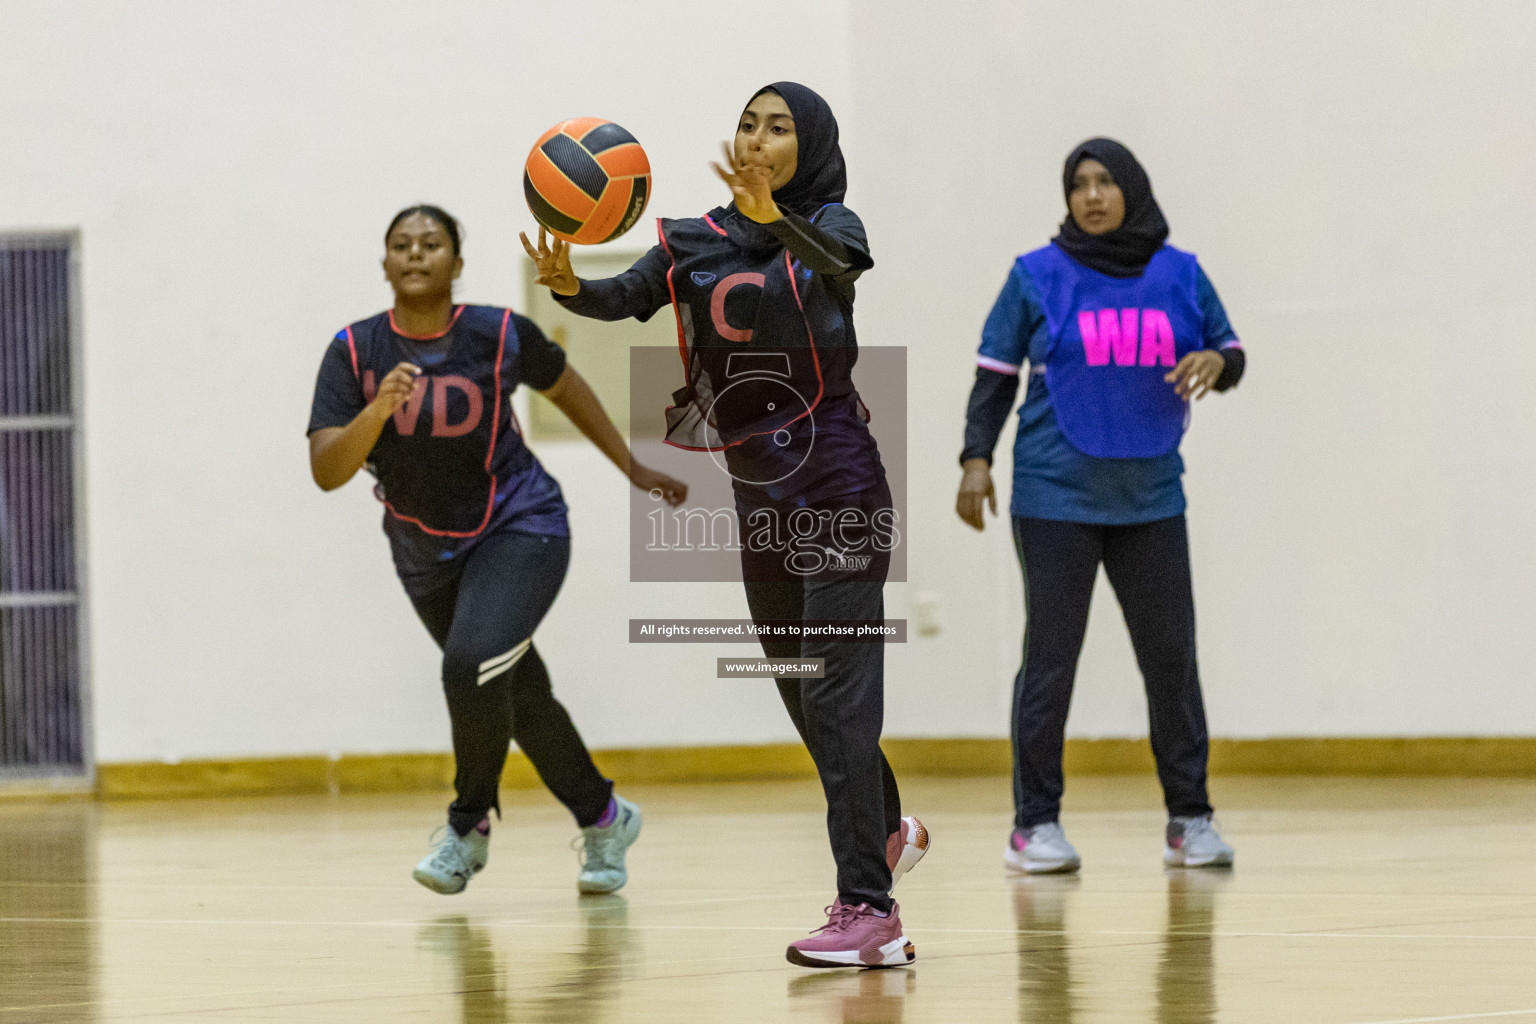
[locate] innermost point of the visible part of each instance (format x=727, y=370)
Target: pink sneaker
x=905, y=848
x=854, y=937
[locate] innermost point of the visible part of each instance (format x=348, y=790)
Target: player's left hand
x=673, y=492
x=748, y=182
x=1196, y=374
x=552, y=259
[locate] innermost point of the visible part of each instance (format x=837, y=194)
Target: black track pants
x=497, y=687
x=840, y=716
x=1148, y=566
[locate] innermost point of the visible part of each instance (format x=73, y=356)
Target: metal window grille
x=42, y=676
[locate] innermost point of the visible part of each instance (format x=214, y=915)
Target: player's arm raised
x=552, y=258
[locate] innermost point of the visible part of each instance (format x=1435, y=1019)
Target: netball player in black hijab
x=1119, y=330
x=1122, y=251
x=772, y=276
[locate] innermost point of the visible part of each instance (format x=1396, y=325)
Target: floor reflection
x=47, y=907
x=578, y=984
x=1185, y=983
x=857, y=997
x=1044, y=951
x=1186, y=973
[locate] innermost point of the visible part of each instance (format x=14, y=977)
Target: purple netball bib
x=1112, y=341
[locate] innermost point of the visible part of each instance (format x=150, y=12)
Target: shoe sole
x=597, y=889
x=432, y=882
x=1175, y=859
x=435, y=884
x=896, y=953
x=911, y=853
x=1035, y=867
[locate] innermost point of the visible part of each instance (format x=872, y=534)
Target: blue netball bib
x=1112, y=341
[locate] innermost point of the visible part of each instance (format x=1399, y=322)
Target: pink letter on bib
x=1096, y=345
x=1111, y=332
x=1156, y=338
x=717, y=306
x=440, y=425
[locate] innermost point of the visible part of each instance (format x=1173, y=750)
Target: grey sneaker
x=1042, y=850
x=603, y=849
x=1195, y=843
x=454, y=859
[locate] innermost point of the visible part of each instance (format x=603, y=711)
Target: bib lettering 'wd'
x=441, y=455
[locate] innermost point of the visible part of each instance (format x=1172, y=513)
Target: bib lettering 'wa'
x=1113, y=340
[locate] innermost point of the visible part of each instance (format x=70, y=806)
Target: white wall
x=1356, y=180
x=1353, y=177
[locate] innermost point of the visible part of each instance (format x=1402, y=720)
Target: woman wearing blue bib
x=1118, y=331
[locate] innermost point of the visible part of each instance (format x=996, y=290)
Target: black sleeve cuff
x=987, y=411
x=1233, y=363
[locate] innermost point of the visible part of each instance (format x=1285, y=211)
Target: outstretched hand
x=553, y=260
x=1196, y=374
x=748, y=181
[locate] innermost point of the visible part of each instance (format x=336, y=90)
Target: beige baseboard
x=76, y=787
x=1368, y=756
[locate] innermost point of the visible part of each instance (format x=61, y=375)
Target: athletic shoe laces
x=448, y=850
x=593, y=852
x=840, y=917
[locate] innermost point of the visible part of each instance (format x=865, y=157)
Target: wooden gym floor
x=1353, y=902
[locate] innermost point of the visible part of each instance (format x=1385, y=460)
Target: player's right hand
x=975, y=490
x=553, y=260
x=396, y=388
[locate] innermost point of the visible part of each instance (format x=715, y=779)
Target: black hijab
x=1125, y=251
x=820, y=175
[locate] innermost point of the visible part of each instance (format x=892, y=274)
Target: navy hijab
x=1125, y=251
x=820, y=174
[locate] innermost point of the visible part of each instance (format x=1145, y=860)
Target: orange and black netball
x=587, y=180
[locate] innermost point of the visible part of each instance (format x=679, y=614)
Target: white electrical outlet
x=925, y=613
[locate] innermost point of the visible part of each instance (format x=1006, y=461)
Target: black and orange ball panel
x=587, y=180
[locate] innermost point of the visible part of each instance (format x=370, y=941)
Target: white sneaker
x=455, y=860
x=1195, y=843
x=1042, y=850
x=603, y=849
